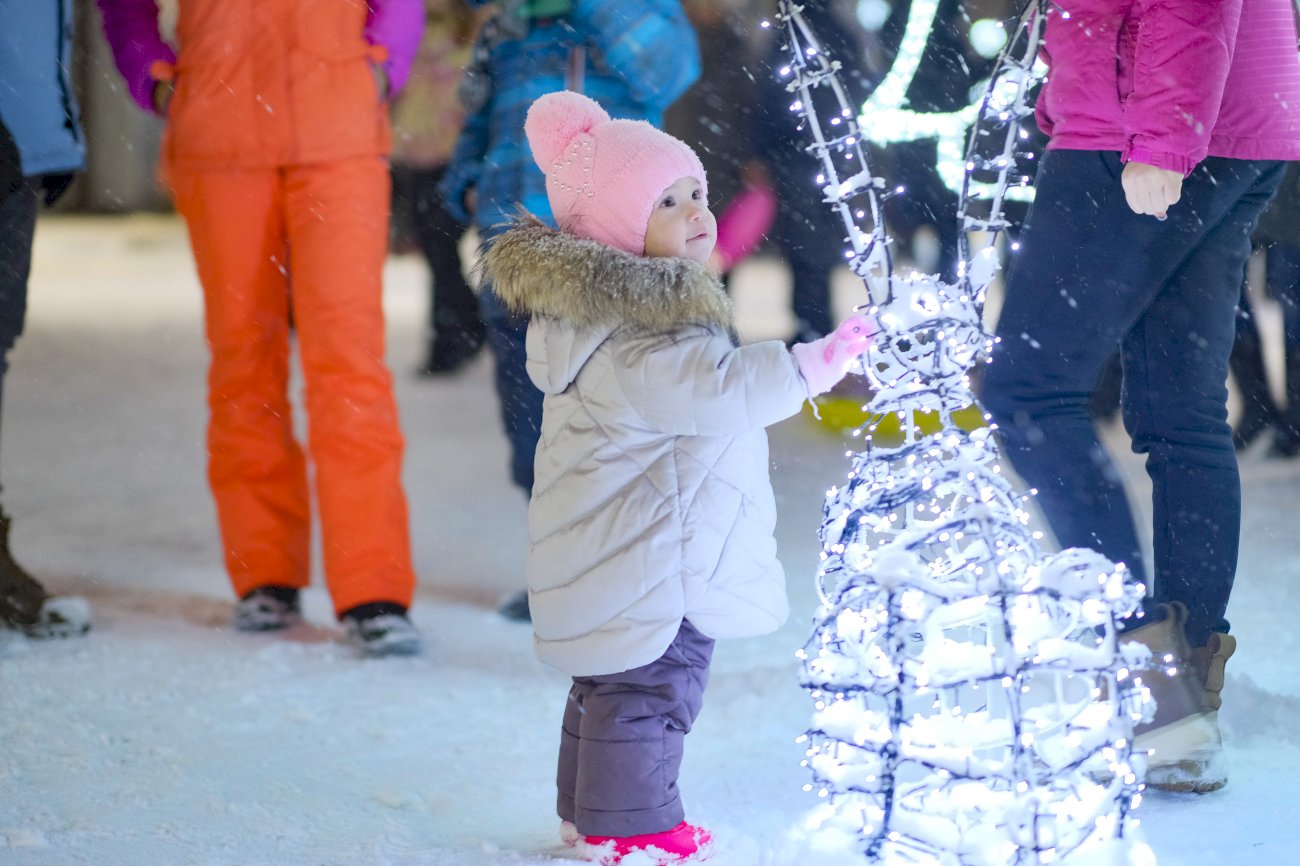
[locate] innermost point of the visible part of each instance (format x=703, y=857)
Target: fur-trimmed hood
x=579, y=292
x=538, y=270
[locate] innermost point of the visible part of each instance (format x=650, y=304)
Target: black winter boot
x=21, y=595
x=1286, y=440
x=26, y=607
x=1258, y=411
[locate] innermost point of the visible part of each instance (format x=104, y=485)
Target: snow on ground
x=164, y=738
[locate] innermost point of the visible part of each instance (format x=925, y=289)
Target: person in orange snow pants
x=275, y=150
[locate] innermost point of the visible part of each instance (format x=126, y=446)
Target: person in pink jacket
x=1169, y=123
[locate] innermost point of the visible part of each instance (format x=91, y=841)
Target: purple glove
x=824, y=362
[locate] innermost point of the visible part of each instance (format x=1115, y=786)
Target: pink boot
x=671, y=846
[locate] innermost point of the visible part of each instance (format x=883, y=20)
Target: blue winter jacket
x=36, y=99
x=640, y=56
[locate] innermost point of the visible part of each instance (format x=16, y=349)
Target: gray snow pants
x=622, y=738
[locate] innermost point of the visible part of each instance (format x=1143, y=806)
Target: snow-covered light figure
x=973, y=704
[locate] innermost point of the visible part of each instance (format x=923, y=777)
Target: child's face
x=681, y=225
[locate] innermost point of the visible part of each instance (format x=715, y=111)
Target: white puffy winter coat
x=652, y=501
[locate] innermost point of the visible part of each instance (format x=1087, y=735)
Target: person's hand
x=381, y=80
x=823, y=363
x=55, y=185
x=1151, y=190
x=161, y=97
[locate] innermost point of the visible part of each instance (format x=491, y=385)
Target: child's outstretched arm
x=823, y=363
x=697, y=384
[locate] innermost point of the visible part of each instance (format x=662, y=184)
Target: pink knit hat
x=604, y=177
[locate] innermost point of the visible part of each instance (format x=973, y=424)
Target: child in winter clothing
x=652, y=514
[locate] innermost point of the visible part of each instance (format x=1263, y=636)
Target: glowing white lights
x=934, y=592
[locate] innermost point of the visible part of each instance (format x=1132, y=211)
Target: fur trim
x=535, y=269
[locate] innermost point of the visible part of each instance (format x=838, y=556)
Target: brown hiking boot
x=1208, y=663
x=1183, y=741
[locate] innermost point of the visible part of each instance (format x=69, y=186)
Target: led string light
x=1005, y=104
x=849, y=186
x=972, y=704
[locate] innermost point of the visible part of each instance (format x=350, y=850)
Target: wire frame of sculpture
x=972, y=704
x=996, y=159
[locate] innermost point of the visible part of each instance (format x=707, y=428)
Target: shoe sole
x=61, y=617
x=61, y=631
x=405, y=646
x=1187, y=777
x=1200, y=766
x=263, y=626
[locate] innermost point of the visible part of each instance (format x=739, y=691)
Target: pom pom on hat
x=603, y=176
x=556, y=119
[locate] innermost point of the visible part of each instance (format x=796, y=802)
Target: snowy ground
x=164, y=738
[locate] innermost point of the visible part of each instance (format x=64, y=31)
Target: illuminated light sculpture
x=972, y=702
x=885, y=120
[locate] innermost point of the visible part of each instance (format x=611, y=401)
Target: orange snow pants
x=302, y=244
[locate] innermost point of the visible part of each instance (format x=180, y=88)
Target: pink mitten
x=824, y=362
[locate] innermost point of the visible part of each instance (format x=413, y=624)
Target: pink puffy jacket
x=1169, y=82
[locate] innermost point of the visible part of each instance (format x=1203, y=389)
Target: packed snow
x=164, y=738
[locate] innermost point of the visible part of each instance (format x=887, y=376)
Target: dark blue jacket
x=36, y=99
x=640, y=56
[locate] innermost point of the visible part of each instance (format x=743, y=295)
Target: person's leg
x=1258, y=411
x=1104, y=403
x=21, y=595
x=1284, y=282
x=521, y=401
x=456, y=332
x=808, y=240
x=631, y=729
x=520, y=404
x=566, y=774
x=925, y=203
x=17, y=230
x=337, y=223
x=255, y=466
x=1087, y=270
x=1175, y=398
x=1062, y=319
x=401, y=218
